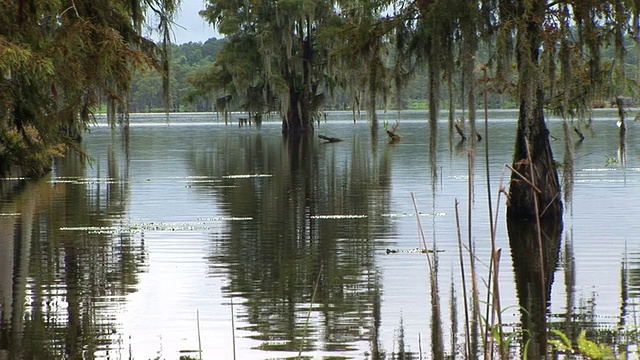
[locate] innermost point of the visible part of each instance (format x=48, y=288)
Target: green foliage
x=583, y=346
x=563, y=344
x=34, y=154
x=418, y=105
x=609, y=160
x=290, y=55
x=57, y=60
x=188, y=62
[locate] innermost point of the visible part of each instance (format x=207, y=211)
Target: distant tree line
x=190, y=59
x=185, y=60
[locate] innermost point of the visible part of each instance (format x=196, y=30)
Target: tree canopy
x=275, y=57
x=58, y=59
x=375, y=48
x=544, y=54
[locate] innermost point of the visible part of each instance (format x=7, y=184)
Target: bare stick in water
x=464, y=286
x=472, y=258
x=233, y=330
x=306, y=324
x=199, y=339
x=438, y=342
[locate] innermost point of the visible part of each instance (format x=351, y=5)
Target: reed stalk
x=453, y=313
x=524, y=178
x=464, y=286
x=475, y=296
x=306, y=323
x=538, y=228
x=199, y=338
x=233, y=330
x=497, y=310
x=495, y=253
x=438, y=342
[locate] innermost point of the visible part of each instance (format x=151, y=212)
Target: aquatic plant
x=582, y=346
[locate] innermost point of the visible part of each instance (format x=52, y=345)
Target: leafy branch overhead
x=58, y=59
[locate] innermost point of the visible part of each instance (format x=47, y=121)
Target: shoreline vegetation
x=363, y=112
x=410, y=106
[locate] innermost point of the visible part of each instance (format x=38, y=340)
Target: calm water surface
x=194, y=234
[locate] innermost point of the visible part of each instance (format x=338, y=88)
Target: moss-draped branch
x=59, y=58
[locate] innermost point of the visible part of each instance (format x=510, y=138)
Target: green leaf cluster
x=58, y=59
x=583, y=346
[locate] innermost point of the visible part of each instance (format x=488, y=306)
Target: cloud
x=189, y=26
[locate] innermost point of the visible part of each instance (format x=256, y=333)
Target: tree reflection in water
x=59, y=288
x=534, y=267
x=315, y=226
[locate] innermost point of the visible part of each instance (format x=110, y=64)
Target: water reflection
x=300, y=233
x=305, y=273
x=59, y=287
x=535, y=255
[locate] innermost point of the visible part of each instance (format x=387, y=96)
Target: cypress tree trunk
x=539, y=195
x=298, y=118
x=533, y=159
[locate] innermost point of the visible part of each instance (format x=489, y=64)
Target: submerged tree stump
x=580, y=135
x=534, y=190
x=460, y=131
x=330, y=139
x=393, y=137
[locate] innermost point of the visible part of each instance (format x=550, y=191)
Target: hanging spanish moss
x=468, y=51
x=58, y=60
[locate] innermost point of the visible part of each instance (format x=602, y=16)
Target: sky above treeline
x=189, y=26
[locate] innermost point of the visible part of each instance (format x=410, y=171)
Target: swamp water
x=195, y=235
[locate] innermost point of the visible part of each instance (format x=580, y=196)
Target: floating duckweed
x=338, y=216
x=190, y=177
x=9, y=214
x=88, y=228
x=246, y=176
x=168, y=226
x=202, y=181
x=140, y=227
x=414, y=214
x=81, y=180
x=226, y=218
x=415, y=250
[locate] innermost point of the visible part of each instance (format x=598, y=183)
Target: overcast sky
x=190, y=26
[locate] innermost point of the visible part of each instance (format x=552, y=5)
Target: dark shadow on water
x=299, y=147
x=534, y=267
